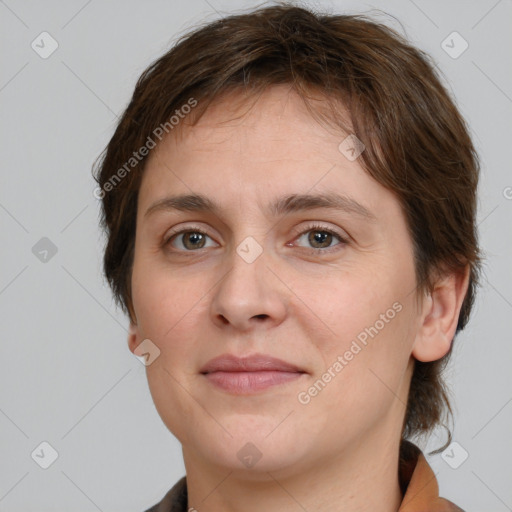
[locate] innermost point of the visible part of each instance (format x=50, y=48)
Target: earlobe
x=133, y=337
x=439, y=316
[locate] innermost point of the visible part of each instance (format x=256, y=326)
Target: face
x=325, y=287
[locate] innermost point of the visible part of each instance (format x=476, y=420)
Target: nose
x=248, y=295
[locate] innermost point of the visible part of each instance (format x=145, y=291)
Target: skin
x=296, y=301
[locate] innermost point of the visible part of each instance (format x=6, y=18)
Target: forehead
x=242, y=150
x=275, y=116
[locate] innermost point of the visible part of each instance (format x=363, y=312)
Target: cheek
x=167, y=308
x=166, y=302
x=365, y=317
x=345, y=302
x=363, y=375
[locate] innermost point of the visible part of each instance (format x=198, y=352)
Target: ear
x=133, y=337
x=440, y=315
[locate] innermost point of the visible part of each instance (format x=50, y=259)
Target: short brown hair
x=417, y=143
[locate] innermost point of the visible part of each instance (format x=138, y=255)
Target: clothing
x=418, y=484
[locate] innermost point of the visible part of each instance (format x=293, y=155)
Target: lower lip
x=249, y=382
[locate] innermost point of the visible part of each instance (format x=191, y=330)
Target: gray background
x=67, y=376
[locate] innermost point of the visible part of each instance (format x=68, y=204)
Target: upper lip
x=252, y=363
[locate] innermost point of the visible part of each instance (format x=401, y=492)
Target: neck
x=363, y=478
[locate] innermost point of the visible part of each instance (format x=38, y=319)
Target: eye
x=320, y=238
x=188, y=240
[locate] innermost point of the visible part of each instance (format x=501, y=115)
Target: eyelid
x=318, y=226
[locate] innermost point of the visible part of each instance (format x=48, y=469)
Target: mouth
x=250, y=374
x=250, y=382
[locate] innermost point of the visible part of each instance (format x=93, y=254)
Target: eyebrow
x=286, y=204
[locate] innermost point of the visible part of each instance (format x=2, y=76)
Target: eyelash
x=311, y=227
x=317, y=227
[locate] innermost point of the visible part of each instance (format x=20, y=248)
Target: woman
x=290, y=204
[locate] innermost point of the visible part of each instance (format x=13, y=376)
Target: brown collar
x=419, y=484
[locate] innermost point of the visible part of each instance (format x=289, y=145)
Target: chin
x=252, y=451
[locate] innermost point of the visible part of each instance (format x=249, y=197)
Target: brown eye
x=193, y=240
x=320, y=239
x=188, y=240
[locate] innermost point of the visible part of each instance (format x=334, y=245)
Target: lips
x=253, y=363
x=248, y=375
